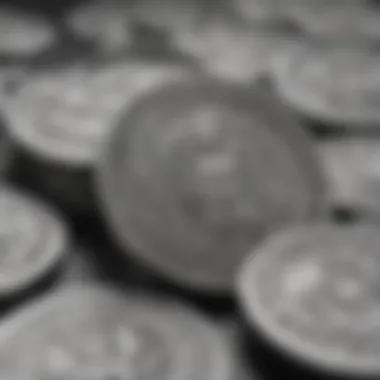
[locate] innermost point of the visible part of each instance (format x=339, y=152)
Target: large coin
x=98, y=333
x=313, y=292
x=33, y=240
x=198, y=172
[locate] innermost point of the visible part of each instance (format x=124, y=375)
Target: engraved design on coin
x=315, y=292
x=193, y=182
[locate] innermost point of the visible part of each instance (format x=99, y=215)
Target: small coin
x=338, y=85
x=33, y=240
x=313, y=291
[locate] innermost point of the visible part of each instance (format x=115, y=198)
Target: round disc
x=314, y=292
x=198, y=172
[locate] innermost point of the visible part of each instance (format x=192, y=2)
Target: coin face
x=314, y=292
x=107, y=23
x=337, y=85
x=23, y=34
x=33, y=239
x=198, y=172
x=65, y=115
x=98, y=333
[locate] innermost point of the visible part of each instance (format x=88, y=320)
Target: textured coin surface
x=314, y=292
x=64, y=115
x=337, y=85
x=33, y=240
x=89, y=332
x=198, y=172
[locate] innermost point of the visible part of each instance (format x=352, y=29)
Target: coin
x=313, y=292
x=33, y=240
x=91, y=332
x=199, y=171
x=334, y=84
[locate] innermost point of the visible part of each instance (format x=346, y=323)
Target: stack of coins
x=168, y=201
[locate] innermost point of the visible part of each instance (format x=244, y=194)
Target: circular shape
x=339, y=84
x=33, y=239
x=23, y=34
x=93, y=332
x=313, y=291
x=107, y=22
x=82, y=103
x=197, y=172
x=337, y=19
